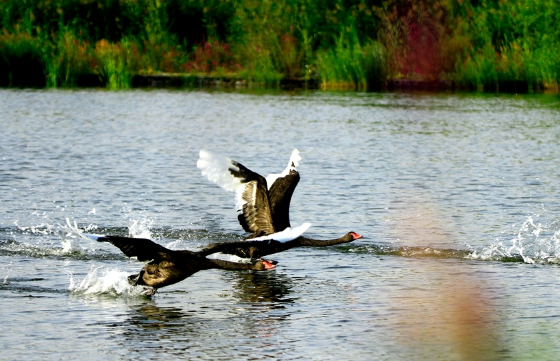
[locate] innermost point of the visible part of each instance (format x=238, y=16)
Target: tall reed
x=117, y=64
x=514, y=45
x=352, y=66
x=259, y=67
x=66, y=59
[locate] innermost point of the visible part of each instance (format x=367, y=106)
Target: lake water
x=456, y=195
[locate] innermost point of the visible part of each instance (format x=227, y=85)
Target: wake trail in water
x=535, y=242
x=65, y=241
x=98, y=281
x=101, y=281
x=21, y=249
x=404, y=251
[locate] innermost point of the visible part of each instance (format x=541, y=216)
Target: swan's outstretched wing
x=280, y=190
x=141, y=248
x=292, y=164
x=251, y=193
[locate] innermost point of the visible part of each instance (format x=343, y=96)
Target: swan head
x=355, y=236
x=264, y=265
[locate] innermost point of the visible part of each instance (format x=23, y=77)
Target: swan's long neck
x=304, y=241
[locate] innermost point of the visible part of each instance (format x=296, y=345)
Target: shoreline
x=189, y=80
x=392, y=84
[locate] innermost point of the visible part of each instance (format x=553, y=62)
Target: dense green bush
x=21, y=61
x=511, y=42
x=349, y=64
x=481, y=44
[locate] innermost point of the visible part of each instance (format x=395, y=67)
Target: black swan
x=257, y=249
x=166, y=266
x=259, y=212
x=263, y=206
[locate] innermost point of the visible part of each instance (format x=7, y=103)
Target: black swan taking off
x=263, y=206
x=166, y=266
x=262, y=209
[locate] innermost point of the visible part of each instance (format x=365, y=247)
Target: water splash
x=46, y=241
x=535, y=242
x=105, y=281
x=141, y=228
x=9, y=269
x=41, y=229
x=140, y=225
x=70, y=235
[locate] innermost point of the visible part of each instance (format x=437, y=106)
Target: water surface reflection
x=220, y=330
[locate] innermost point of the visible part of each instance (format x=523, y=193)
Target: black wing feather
x=141, y=248
x=280, y=195
x=256, y=213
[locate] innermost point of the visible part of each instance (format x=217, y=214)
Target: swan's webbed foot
x=149, y=291
x=133, y=279
x=136, y=280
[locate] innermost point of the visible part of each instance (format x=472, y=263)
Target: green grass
x=117, y=63
x=350, y=65
x=66, y=59
x=513, y=41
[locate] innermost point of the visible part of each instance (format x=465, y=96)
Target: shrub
x=211, y=56
x=116, y=64
x=349, y=65
x=66, y=59
x=21, y=60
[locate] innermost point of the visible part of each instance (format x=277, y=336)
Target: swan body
x=165, y=266
x=262, y=203
x=263, y=207
x=256, y=249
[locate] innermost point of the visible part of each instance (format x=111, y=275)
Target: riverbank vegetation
x=356, y=44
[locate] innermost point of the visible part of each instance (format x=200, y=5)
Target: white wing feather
x=286, y=235
x=292, y=164
x=216, y=168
